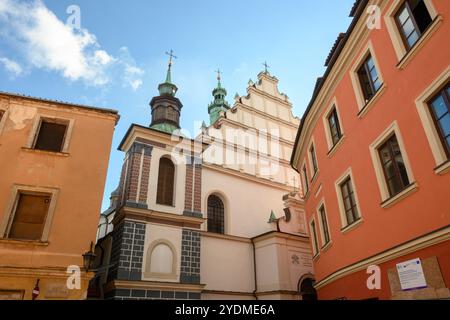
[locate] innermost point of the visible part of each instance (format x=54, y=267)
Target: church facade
x=214, y=217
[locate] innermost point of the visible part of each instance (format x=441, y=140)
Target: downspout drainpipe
x=254, y=270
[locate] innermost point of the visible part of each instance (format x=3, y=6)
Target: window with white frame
x=314, y=240
x=391, y=163
x=305, y=180
x=413, y=18
x=313, y=161
x=324, y=228
x=349, y=208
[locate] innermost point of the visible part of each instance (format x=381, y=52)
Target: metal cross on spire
x=266, y=66
x=218, y=74
x=171, y=55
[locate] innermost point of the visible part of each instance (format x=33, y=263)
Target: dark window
x=216, y=213
x=166, y=176
x=159, y=113
x=323, y=219
x=335, y=128
x=348, y=198
x=440, y=110
x=305, y=178
x=29, y=216
x=314, y=236
x=50, y=136
x=393, y=166
x=368, y=78
x=413, y=19
x=312, y=151
x=1, y=114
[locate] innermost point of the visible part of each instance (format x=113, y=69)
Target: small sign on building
x=411, y=275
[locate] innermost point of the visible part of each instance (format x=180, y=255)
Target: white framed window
x=313, y=235
x=334, y=130
x=349, y=208
x=313, y=163
x=29, y=213
x=3, y=117
x=433, y=129
x=410, y=23
x=51, y=134
x=392, y=167
x=367, y=79
x=305, y=181
x=324, y=226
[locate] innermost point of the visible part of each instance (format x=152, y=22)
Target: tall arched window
x=166, y=178
x=216, y=214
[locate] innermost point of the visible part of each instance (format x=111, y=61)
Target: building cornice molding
x=414, y=245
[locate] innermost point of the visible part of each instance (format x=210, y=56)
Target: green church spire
x=166, y=108
x=219, y=104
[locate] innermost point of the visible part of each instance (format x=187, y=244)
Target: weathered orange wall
x=424, y=211
x=80, y=178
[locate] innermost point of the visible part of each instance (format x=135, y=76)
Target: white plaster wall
x=226, y=265
x=248, y=203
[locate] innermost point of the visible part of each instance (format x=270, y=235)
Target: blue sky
x=117, y=58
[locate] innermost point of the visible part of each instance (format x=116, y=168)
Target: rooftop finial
x=171, y=56
x=218, y=77
x=266, y=66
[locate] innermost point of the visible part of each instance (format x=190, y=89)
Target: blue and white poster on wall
x=411, y=275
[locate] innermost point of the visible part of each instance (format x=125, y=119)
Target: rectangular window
x=412, y=19
x=323, y=219
x=348, y=199
x=335, y=128
x=305, y=179
x=50, y=136
x=368, y=77
x=312, y=153
x=1, y=114
x=440, y=111
x=314, y=237
x=393, y=165
x=29, y=216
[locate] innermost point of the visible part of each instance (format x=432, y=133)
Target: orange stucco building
x=53, y=159
x=373, y=153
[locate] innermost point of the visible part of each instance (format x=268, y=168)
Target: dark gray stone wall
x=127, y=251
x=190, y=257
x=142, y=294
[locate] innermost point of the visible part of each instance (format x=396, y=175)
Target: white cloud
x=50, y=44
x=132, y=74
x=11, y=66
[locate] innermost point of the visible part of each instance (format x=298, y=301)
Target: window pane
x=403, y=16
x=166, y=176
x=421, y=14
x=439, y=107
x=215, y=215
x=408, y=28
x=445, y=124
x=50, y=136
x=370, y=63
x=412, y=38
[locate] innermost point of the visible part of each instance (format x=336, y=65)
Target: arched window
x=166, y=178
x=161, y=259
x=215, y=215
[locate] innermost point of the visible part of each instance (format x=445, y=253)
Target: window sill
x=316, y=257
x=411, y=53
x=352, y=226
x=371, y=102
x=399, y=196
x=327, y=246
x=52, y=153
x=335, y=147
x=443, y=168
x=24, y=242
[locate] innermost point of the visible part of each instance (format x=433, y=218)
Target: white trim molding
x=345, y=226
x=437, y=149
x=325, y=245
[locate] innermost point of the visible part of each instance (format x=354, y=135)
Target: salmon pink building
x=373, y=153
